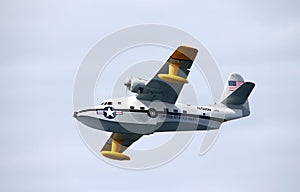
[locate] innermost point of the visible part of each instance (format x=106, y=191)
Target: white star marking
x=109, y=112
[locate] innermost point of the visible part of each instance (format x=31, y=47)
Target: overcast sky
x=43, y=44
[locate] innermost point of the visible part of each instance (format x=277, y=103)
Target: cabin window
x=131, y=107
x=204, y=114
x=166, y=110
x=184, y=111
x=119, y=102
x=142, y=108
x=175, y=111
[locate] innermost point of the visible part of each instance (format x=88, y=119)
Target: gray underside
x=129, y=128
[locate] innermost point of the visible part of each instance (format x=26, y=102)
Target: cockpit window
x=109, y=103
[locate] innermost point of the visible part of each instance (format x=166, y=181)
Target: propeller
x=127, y=83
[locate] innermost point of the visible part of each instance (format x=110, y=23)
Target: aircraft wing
x=117, y=144
x=169, y=80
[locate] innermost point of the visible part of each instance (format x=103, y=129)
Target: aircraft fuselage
x=131, y=115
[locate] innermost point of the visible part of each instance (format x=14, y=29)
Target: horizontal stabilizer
x=240, y=95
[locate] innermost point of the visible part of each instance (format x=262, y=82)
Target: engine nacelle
x=135, y=85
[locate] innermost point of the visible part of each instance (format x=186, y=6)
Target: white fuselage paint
x=130, y=115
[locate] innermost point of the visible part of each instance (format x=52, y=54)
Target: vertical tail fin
x=234, y=81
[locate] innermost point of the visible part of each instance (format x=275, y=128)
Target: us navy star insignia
x=109, y=112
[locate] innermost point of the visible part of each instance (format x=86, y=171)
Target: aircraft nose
x=75, y=114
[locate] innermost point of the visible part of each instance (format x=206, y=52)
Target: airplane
x=154, y=107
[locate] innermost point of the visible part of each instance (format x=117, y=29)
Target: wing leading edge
x=169, y=80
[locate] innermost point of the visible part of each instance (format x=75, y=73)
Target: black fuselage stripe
x=87, y=110
x=162, y=112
